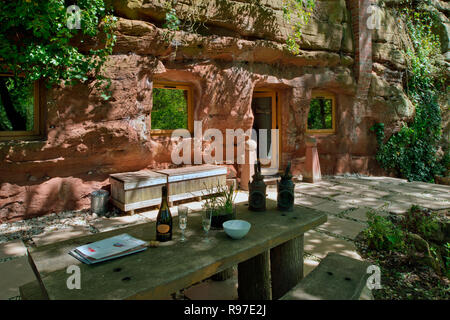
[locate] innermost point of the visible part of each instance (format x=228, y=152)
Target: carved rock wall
x=238, y=48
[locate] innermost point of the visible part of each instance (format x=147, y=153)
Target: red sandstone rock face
x=87, y=138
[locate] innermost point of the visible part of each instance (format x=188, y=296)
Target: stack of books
x=107, y=249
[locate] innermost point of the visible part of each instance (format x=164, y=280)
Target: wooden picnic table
x=269, y=259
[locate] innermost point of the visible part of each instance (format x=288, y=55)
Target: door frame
x=276, y=114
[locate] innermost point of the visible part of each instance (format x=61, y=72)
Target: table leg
x=254, y=278
x=286, y=263
x=224, y=275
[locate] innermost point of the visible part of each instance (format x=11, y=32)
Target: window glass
x=170, y=109
x=16, y=106
x=320, y=115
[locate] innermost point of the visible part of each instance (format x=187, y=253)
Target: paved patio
x=346, y=200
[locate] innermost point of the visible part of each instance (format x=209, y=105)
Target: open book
x=108, y=249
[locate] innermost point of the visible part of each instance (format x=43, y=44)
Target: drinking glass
x=182, y=219
x=206, y=222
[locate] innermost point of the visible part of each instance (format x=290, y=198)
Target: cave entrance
x=266, y=113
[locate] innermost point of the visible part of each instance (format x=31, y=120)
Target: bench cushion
x=336, y=278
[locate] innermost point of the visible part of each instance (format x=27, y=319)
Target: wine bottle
x=164, y=219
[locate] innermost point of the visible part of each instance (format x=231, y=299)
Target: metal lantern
x=285, y=191
x=257, y=191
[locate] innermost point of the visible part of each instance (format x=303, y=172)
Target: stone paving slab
x=384, y=180
x=342, y=227
x=306, y=186
x=430, y=186
x=14, y=273
x=357, y=201
x=272, y=194
x=398, y=207
x=372, y=193
x=432, y=204
x=401, y=203
x=307, y=201
x=347, y=188
x=14, y=248
x=309, y=265
x=321, y=192
x=361, y=214
x=373, y=203
x=319, y=245
x=60, y=235
x=352, y=182
x=441, y=195
x=333, y=207
x=325, y=183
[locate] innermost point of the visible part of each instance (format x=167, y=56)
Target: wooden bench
x=194, y=182
x=136, y=190
x=142, y=189
x=336, y=278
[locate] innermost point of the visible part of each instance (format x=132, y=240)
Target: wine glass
x=182, y=219
x=206, y=222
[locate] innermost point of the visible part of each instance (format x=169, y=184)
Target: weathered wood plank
x=223, y=275
x=287, y=266
x=136, y=190
x=139, y=179
x=193, y=172
x=254, y=278
x=158, y=272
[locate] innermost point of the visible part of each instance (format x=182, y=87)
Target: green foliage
x=383, y=234
x=303, y=9
x=447, y=258
x=221, y=199
x=320, y=114
x=36, y=41
x=421, y=222
x=228, y=195
x=170, y=110
x=22, y=98
x=412, y=151
x=172, y=21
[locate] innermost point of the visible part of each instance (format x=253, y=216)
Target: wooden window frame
x=38, y=121
x=324, y=95
x=190, y=105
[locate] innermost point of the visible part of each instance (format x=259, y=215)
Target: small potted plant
x=222, y=204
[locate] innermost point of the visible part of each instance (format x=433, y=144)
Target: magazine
x=108, y=249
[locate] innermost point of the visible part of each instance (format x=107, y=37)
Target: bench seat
x=336, y=278
x=141, y=189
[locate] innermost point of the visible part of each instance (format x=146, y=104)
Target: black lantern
x=285, y=190
x=257, y=191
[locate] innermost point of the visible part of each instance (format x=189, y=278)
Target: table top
x=158, y=272
x=193, y=172
x=139, y=179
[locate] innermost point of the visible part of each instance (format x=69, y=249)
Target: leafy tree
x=37, y=43
x=21, y=116
x=169, y=110
x=320, y=114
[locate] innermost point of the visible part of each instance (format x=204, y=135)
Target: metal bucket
x=99, y=201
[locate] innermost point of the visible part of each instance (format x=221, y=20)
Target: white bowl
x=236, y=229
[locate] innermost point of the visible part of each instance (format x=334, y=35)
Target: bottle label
x=163, y=228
